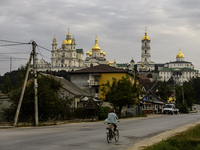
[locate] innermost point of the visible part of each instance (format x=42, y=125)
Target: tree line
x=119, y=93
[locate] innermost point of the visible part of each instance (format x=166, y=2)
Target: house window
x=151, y=97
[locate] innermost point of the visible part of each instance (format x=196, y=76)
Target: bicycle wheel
x=116, y=135
x=109, y=136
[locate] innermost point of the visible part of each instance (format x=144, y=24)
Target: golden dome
x=88, y=52
x=180, y=55
x=96, y=46
x=68, y=33
x=101, y=52
x=67, y=41
x=54, y=41
x=104, y=54
x=145, y=37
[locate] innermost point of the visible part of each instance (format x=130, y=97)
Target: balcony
x=94, y=83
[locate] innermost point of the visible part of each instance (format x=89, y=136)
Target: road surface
x=91, y=135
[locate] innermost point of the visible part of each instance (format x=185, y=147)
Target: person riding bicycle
x=112, y=118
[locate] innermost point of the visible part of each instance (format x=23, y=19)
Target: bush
x=184, y=108
x=50, y=105
x=103, y=112
x=80, y=113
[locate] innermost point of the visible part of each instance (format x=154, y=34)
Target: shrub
x=103, y=112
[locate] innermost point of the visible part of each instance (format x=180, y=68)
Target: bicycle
x=110, y=134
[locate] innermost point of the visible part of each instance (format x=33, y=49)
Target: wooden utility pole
x=10, y=64
x=23, y=90
x=35, y=83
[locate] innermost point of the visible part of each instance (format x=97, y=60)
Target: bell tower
x=145, y=56
x=145, y=64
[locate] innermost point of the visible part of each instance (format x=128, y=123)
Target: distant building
x=179, y=71
x=43, y=65
x=90, y=79
x=96, y=56
x=67, y=57
x=145, y=64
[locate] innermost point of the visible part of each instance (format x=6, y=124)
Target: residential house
x=90, y=79
x=70, y=90
x=152, y=104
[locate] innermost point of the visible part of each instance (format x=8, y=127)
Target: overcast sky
x=119, y=26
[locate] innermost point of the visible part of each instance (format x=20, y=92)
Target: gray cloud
x=119, y=26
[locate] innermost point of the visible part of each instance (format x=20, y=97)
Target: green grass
x=187, y=140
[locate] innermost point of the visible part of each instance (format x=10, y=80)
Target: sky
x=119, y=27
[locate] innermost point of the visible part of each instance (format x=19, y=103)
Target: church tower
x=145, y=56
x=180, y=56
x=145, y=64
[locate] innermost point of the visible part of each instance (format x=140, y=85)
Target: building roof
x=176, y=69
x=122, y=65
x=102, y=68
x=156, y=99
x=180, y=62
x=143, y=78
x=70, y=87
x=79, y=51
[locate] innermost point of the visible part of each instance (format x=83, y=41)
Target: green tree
x=7, y=85
x=185, y=96
x=120, y=93
x=50, y=104
x=164, y=91
x=196, y=86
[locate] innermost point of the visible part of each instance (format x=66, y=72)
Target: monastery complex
x=70, y=58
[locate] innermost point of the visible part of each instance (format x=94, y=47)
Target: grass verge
x=186, y=140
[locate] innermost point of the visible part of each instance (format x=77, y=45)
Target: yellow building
x=109, y=77
x=90, y=79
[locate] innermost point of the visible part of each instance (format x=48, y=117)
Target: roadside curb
x=153, y=140
x=6, y=127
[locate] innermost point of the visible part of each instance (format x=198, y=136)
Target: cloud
x=119, y=26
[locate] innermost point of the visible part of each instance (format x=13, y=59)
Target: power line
x=13, y=58
x=13, y=48
x=16, y=53
x=14, y=42
x=44, y=48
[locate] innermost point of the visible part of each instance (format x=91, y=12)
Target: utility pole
x=22, y=94
x=35, y=83
x=10, y=64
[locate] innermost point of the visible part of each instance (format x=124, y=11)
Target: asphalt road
x=91, y=135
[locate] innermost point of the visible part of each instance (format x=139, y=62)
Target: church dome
x=145, y=37
x=96, y=46
x=180, y=55
x=67, y=41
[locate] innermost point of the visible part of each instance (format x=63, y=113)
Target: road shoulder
x=161, y=136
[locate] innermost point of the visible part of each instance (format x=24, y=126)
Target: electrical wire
x=14, y=42
x=44, y=48
x=11, y=45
